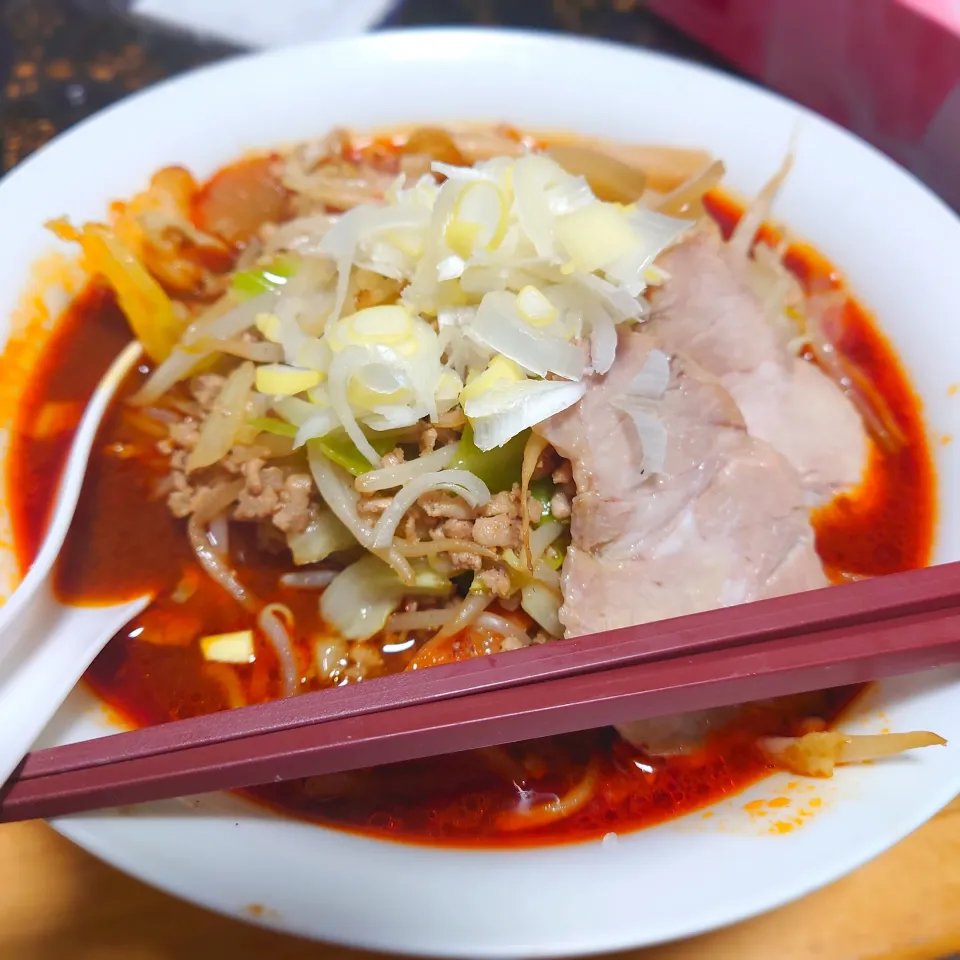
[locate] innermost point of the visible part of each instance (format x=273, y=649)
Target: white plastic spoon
x=45, y=645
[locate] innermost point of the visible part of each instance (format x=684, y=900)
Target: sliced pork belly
x=725, y=521
x=707, y=313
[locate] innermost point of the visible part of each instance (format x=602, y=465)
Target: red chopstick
x=832, y=637
x=716, y=678
x=917, y=591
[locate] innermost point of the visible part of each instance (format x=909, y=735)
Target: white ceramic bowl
x=898, y=245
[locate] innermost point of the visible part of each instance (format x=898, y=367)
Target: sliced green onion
x=251, y=283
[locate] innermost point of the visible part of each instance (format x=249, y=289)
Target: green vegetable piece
x=272, y=425
x=339, y=448
x=478, y=586
x=542, y=491
x=499, y=468
x=248, y=284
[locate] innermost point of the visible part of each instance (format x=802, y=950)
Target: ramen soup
x=413, y=399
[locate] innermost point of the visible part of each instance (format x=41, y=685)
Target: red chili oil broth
x=124, y=541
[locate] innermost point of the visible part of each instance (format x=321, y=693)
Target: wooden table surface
x=59, y=903
x=59, y=63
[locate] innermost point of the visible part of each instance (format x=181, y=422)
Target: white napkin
x=267, y=23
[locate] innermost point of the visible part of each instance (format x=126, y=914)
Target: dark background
x=62, y=60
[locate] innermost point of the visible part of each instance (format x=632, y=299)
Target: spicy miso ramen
x=413, y=399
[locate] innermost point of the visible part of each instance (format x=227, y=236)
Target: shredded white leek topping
x=515, y=278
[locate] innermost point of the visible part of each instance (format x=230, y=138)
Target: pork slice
x=725, y=522
x=805, y=415
x=618, y=507
x=706, y=312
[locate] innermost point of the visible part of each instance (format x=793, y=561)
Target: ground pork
x=294, y=512
x=373, y=506
x=496, y=581
x=506, y=503
x=271, y=494
x=260, y=498
x=560, y=506
x=457, y=529
x=184, y=434
x=184, y=498
x=205, y=388
x=442, y=505
x=393, y=458
x=465, y=561
x=428, y=440
x=498, y=531
x=563, y=473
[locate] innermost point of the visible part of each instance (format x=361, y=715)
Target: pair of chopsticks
x=832, y=637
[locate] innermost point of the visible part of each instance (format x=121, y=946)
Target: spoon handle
x=41, y=673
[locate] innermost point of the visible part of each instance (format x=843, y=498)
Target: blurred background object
x=889, y=70
x=257, y=24
x=62, y=60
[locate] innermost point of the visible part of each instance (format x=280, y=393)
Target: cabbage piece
x=324, y=535
x=542, y=491
x=359, y=600
x=543, y=604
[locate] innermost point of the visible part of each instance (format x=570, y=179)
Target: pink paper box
x=889, y=70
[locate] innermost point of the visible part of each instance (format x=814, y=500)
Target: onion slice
x=816, y=754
